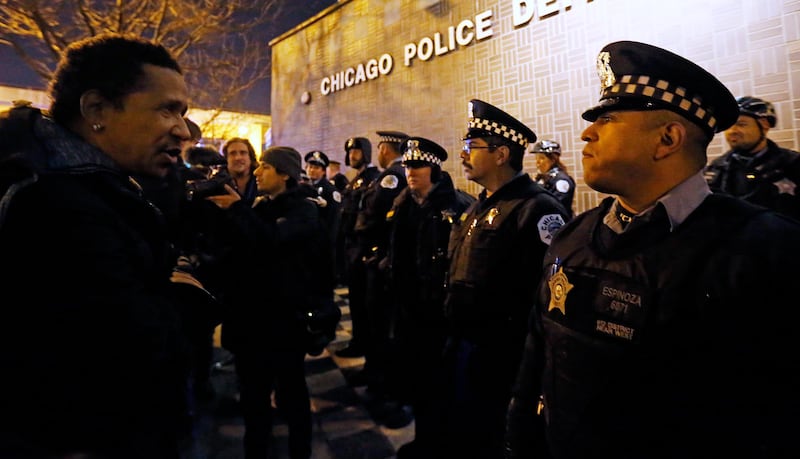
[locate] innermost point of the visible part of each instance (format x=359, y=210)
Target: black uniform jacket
x=770, y=179
x=330, y=209
x=495, y=255
x=371, y=226
x=664, y=343
x=352, y=203
x=417, y=258
x=560, y=184
x=279, y=267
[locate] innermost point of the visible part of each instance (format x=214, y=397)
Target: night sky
x=14, y=72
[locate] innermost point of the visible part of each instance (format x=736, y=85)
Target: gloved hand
x=319, y=200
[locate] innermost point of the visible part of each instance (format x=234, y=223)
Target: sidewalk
x=343, y=427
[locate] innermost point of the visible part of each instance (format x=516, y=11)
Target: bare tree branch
x=221, y=44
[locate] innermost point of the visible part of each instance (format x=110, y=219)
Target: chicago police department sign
x=461, y=35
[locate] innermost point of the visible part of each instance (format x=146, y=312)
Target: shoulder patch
x=548, y=225
x=562, y=186
x=337, y=196
x=390, y=182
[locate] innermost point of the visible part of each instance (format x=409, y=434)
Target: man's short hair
x=112, y=64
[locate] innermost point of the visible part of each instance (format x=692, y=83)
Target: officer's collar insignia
x=559, y=288
x=390, y=214
x=493, y=213
x=607, y=77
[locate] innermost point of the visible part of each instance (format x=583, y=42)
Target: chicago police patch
x=390, y=182
x=548, y=225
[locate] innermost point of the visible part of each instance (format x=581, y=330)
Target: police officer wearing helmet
x=756, y=169
x=495, y=255
x=358, y=154
x=552, y=175
x=667, y=310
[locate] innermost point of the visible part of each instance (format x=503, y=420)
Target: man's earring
x=97, y=127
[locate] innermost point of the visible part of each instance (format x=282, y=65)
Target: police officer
x=494, y=256
x=665, y=324
x=421, y=220
x=373, y=235
x=552, y=175
x=329, y=199
x=336, y=176
x=358, y=151
x=756, y=169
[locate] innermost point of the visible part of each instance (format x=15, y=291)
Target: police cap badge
x=317, y=157
x=418, y=151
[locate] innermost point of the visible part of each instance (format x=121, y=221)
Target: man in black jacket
x=494, y=254
x=277, y=270
x=359, y=158
x=95, y=357
x=756, y=169
x=421, y=219
x=665, y=311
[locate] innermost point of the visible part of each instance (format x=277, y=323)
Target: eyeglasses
x=467, y=148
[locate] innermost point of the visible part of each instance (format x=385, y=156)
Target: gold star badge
x=559, y=287
x=493, y=213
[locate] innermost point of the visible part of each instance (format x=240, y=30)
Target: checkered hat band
x=418, y=155
x=663, y=91
x=496, y=128
x=387, y=138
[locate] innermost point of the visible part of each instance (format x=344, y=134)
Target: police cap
x=487, y=120
x=317, y=157
x=418, y=152
x=638, y=76
x=394, y=137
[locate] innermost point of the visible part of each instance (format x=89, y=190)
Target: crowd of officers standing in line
x=502, y=324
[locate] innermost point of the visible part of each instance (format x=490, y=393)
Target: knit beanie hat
x=286, y=160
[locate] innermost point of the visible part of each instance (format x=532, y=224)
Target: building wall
x=541, y=71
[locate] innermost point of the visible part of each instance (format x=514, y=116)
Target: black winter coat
x=769, y=180
x=417, y=258
x=93, y=354
x=278, y=268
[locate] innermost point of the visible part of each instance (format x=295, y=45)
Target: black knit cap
x=317, y=157
x=638, y=76
x=487, y=120
x=285, y=160
x=362, y=143
x=419, y=151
